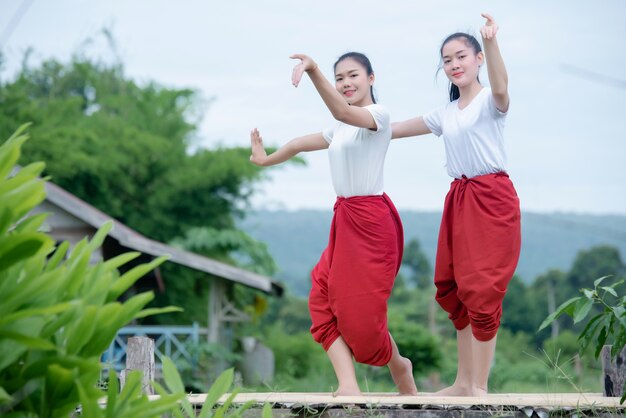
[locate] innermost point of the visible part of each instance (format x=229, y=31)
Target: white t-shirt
x=357, y=155
x=473, y=137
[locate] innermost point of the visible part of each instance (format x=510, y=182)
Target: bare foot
x=459, y=390
x=402, y=376
x=347, y=392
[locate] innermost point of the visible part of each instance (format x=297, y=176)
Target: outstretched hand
x=306, y=64
x=489, y=30
x=258, y=155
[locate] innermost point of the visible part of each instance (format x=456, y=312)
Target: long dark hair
x=471, y=42
x=361, y=59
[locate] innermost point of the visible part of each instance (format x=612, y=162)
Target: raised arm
x=410, y=127
x=340, y=109
x=259, y=157
x=498, y=78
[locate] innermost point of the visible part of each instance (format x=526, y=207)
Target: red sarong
x=478, y=250
x=354, y=277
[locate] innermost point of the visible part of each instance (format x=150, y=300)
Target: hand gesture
x=490, y=29
x=306, y=64
x=258, y=155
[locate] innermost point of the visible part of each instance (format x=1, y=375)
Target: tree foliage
x=125, y=147
x=415, y=259
x=128, y=149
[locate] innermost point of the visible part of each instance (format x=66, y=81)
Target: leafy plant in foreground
x=607, y=326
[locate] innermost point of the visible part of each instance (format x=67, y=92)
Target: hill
x=297, y=238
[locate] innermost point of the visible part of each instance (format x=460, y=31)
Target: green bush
x=295, y=355
x=59, y=313
x=417, y=344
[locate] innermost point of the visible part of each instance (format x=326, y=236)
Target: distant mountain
x=296, y=239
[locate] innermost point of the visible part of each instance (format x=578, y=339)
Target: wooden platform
x=427, y=405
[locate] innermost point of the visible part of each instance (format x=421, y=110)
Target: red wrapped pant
x=477, y=253
x=354, y=277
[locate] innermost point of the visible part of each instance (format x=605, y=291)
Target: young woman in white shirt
x=354, y=276
x=479, y=238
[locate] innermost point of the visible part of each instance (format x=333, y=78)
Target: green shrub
x=606, y=327
x=59, y=313
x=417, y=344
x=295, y=355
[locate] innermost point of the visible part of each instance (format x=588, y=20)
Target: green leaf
x=609, y=290
x=10, y=153
x=588, y=333
x=27, y=341
x=82, y=330
x=175, y=383
x=15, y=248
x=156, y=311
x=620, y=315
x=58, y=256
x=171, y=376
x=100, y=235
x=25, y=313
x=601, y=340
x=566, y=307
x=600, y=280
x=130, y=277
x=132, y=387
x=112, y=393
x=89, y=406
x=22, y=194
x=581, y=310
x=6, y=219
x=120, y=260
x=219, y=388
x=4, y=396
x=32, y=223
x=219, y=412
x=19, y=132
x=267, y=411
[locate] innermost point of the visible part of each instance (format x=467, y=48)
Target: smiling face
x=460, y=62
x=353, y=82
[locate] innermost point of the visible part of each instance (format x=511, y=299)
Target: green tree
x=599, y=261
x=545, y=294
x=125, y=148
x=414, y=258
x=128, y=149
x=515, y=308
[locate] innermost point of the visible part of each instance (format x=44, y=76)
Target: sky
x=566, y=61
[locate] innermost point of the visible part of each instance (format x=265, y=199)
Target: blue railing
x=170, y=341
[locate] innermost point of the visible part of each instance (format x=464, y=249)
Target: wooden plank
x=520, y=400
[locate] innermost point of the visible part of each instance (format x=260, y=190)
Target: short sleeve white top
x=473, y=136
x=357, y=155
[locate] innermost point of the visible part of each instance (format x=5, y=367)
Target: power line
x=15, y=20
x=593, y=76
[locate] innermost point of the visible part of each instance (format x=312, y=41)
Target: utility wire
x=594, y=76
x=15, y=20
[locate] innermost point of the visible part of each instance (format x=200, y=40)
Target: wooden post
x=140, y=356
x=614, y=372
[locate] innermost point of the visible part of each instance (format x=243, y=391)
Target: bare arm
x=410, y=127
x=498, y=78
x=340, y=109
x=259, y=157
